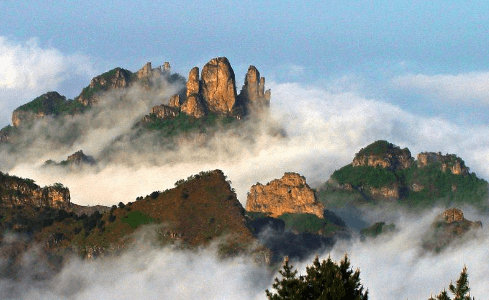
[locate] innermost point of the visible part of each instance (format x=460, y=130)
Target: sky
x=342, y=73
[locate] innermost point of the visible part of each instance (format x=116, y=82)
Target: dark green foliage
x=379, y=148
x=323, y=280
x=154, y=194
x=441, y=185
x=307, y=223
x=377, y=229
x=364, y=176
x=55, y=105
x=136, y=218
x=459, y=291
x=121, y=205
x=183, y=123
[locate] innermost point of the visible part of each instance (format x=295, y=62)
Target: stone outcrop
x=193, y=106
x=164, y=111
x=144, y=71
x=218, y=85
x=448, y=227
x=117, y=78
x=79, y=158
x=19, y=191
x=386, y=192
x=193, y=82
x=174, y=101
x=290, y=194
x=253, y=92
x=447, y=162
x=385, y=155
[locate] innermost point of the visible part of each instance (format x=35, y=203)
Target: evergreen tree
x=460, y=291
x=323, y=280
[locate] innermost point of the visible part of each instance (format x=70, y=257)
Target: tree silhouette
x=323, y=280
x=460, y=291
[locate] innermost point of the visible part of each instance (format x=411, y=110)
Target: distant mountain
x=382, y=172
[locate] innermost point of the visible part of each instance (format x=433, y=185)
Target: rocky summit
x=214, y=91
x=290, y=194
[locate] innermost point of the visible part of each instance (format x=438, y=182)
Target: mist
x=322, y=132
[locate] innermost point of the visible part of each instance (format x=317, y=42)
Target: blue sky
x=427, y=57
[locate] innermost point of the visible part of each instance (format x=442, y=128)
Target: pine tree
x=460, y=291
x=290, y=287
x=323, y=280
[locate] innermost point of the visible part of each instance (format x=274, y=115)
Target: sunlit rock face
x=253, y=92
x=219, y=85
x=290, y=194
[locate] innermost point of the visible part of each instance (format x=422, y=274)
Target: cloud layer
x=465, y=88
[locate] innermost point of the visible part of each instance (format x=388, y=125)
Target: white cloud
x=28, y=70
x=470, y=87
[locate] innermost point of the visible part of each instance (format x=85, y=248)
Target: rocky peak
x=193, y=82
x=290, y=194
x=144, y=71
x=447, y=162
x=453, y=215
x=219, y=85
x=385, y=155
x=253, y=91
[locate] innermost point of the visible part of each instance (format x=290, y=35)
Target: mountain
x=384, y=173
x=199, y=211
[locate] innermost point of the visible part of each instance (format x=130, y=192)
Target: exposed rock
x=453, y=215
x=193, y=82
x=384, y=155
x=144, y=71
x=117, y=78
x=219, y=86
x=386, y=192
x=193, y=106
x=166, y=68
x=290, y=194
x=253, y=91
x=38, y=108
x=174, y=101
x=449, y=161
x=164, y=111
x=447, y=228
x=19, y=191
x=20, y=117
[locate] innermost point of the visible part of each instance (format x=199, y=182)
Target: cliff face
x=117, y=78
x=290, y=194
x=253, y=92
x=18, y=191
